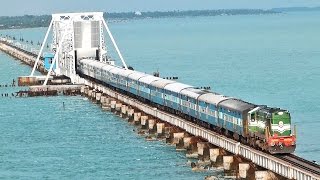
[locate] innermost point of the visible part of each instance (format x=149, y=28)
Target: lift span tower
x=76, y=36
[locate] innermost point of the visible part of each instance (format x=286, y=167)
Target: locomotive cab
x=272, y=126
x=281, y=138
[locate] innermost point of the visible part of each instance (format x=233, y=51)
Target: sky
x=39, y=7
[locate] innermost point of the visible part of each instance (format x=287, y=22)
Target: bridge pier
x=203, y=151
x=124, y=109
x=82, y=90
x=170, y=131
x=98, y=97
x=178, y=140
x=93, y=96
x=160, y=130
x=144, y=123
x=192, y=146
x=152, y=126
x=136, y=118
x=105, y=103
x=130, y=114
x=113, y=106
x=243, y=170
x=118, y=108
x=230, y=166
x=265, y=175
x=86, y=91
x=89, y=93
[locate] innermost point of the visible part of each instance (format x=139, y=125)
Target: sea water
x=263, y=59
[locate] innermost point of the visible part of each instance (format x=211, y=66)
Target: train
x=265, y=128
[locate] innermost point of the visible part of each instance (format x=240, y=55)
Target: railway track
x=300, y=162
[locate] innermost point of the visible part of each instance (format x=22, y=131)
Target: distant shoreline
x=33, y=21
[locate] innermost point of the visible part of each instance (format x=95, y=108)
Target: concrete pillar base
x=105, y=103
x=214, y=153
x=93, y=95
x=160, y=130
x=98, y=98
x=144, y=122
x=82, y=90
x=136, y=118
x=89, y=94
x=113, y=106
x=118, y=108
x=169, y=134
x=229, y=166
x=124, y=110
x=203, y=151
x=86, y=91
x=152, y=126
x=192, y=148
x=178, y=141
x=265, y=175
x=130, y=114
x=186, y=142
x=243, y=169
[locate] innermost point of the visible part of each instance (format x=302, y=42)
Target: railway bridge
x=77, y=36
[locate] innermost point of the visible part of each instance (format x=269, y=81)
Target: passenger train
x=265, y=128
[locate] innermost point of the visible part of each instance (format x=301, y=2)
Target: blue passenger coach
x=145, y=86
x=158, y=94
x=189, y=101
x=172, y=91
x=133, y=81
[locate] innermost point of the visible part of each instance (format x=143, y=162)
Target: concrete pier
x=178, y=140
x=136, y=118
x=113, y=105
x=229, y=166
x=265, y=175
x=168, y=130
x=98, y=97
x=243, y=170
x=105, y=103
x=203, y=151
x=93, y=95
x=118, y=108
x=86, y=90
x=192, y=146
x=152, y=126
x=124, y=109
x=90, y=93
x=144, y=122
x=130, y=114
x=160, y=130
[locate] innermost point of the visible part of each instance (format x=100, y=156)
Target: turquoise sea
x=264, y=59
